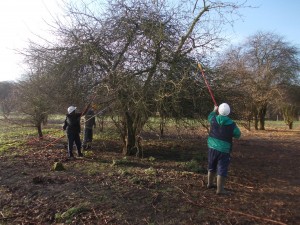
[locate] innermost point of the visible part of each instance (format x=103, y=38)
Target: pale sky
x=21, y=19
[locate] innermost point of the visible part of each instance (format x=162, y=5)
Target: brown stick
x=57, y=139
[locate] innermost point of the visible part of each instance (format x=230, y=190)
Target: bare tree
x=288, y=103
x=257, y=68
x=33, y=102
x=6, y=97
x=135, y=53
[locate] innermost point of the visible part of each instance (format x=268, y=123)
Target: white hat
x=224, y=109
x=71, y=109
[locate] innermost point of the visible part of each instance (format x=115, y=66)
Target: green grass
x=13, y=135
x=108, y=133
x=272, y=124
x=281, y=124
x=68, y=215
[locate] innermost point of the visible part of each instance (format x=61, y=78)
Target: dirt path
x=105, y=188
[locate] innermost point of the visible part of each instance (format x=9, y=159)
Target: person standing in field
x=222, y=131
x=72, y=127
x=89, y=124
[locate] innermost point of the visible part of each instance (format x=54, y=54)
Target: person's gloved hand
x=216, y=108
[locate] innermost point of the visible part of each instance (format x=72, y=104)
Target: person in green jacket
x=222, y=131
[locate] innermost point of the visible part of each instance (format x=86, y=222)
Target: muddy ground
x=166, y=186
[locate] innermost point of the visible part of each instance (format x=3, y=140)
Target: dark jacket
x=72, y=123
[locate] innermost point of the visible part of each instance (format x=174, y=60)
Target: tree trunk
x=262, y=114
x=248, y=122
x=261, y=123
x=291, y=125
x=256, y=122
x=162, y=126
x=129, y=142
x=255, y=116
x=39, y=128
x=289, y=114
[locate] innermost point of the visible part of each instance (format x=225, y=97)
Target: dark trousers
x=218, y=162
x=88, y=137
x=73, y=137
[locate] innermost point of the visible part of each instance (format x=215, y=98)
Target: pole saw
x=208, y=87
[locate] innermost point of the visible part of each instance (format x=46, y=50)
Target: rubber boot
x=210, y=180
x=80, y=153
x=220, y=185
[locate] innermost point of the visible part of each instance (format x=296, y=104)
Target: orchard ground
x=166, y=186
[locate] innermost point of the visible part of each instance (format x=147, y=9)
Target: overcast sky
x=21, y=19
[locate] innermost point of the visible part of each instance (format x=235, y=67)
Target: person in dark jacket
x=73, y=129
x=89, y=124
x=222, y=131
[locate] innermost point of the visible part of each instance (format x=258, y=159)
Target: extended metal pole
x=208, y=87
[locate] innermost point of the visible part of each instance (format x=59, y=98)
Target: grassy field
x=165, y=187
x=18, y=129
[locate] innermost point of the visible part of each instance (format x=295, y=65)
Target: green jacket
x=218, y=144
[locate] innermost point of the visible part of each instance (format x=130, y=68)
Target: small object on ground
x=58, y=166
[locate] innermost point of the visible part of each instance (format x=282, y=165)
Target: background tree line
x=139, y=59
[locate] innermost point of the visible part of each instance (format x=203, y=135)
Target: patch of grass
x=194, y=166
x=70, y=213
x=150, y=171
x=123, y=172
x=272, y=124
x=6, y=211
x=14, y=136
x=56, y=118
x=88, y=153
x=4, y=146
x=135, y=180
x=151, y=159
x=108, y=133
x=280, y=124
x=118, y=162
x=92, y=169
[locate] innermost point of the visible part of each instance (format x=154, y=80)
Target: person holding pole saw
x=89, y=124
x=72, y=127
x=222, y=131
